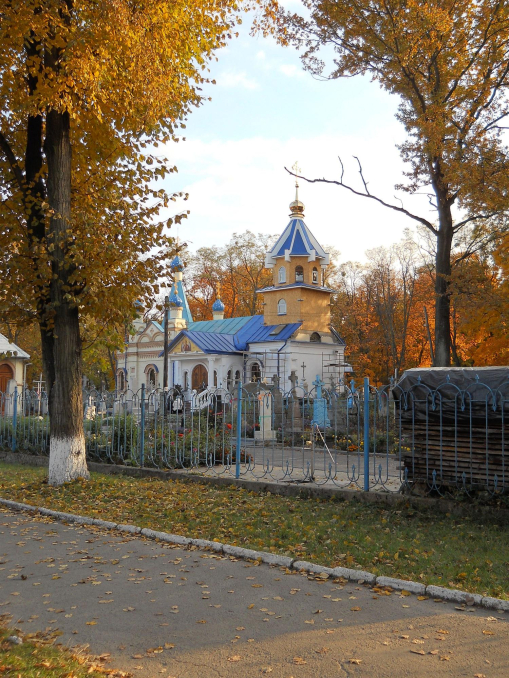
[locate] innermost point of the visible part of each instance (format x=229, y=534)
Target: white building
x=293, y=339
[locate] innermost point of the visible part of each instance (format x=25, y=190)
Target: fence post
x=239, y=429
x=14, y=418
x=142, y=427
x=366, y=434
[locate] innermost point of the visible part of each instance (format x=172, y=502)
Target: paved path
x=162, y=610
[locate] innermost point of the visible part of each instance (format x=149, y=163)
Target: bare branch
x=476, y=217
x=415, y=217
x=11, y=159
x=362, y=175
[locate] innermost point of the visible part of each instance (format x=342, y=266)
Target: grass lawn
x=426, y=546
x=38, y=657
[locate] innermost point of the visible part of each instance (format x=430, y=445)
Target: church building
x=291, y=343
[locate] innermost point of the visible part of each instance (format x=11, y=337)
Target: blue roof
x=297, y=240
x=186, y=311
x=174, y=299
x=226, y=326
x=233, y=335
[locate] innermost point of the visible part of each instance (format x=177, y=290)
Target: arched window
x=315, y=274
x=151, y=378
x=215, y=377
x=237, y=377
x=121, y=385
x=315, y=337
x=299, y=274
x=282, y=275
x=256, y=373
x=281, y=307
x=186, y=380
x=229, y=379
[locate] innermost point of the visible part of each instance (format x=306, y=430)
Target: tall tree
x=87, y=90
x=235, y=271
x=447, y=61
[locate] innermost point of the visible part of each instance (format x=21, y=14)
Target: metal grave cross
x=318, y=383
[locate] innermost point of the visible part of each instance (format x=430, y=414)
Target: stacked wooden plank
x=461, y=450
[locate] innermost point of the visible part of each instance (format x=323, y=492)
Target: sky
x=266, y=113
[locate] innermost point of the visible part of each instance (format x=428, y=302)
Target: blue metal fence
x=438, y=441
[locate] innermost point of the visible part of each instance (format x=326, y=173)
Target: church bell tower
x=298, y=262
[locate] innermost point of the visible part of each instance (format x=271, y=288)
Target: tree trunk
x=442, y=266
x=61, y=340
x=442, y=293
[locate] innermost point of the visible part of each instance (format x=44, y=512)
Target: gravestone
x=265, y=417
x=294, y=422
x=277, y=401
x=320, y=414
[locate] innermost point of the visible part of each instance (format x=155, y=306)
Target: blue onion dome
x=175, y=300
x=177, y=264
x=218, y=305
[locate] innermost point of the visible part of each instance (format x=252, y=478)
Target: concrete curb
x=357, y=576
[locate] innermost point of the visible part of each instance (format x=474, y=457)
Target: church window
x=256, y=373
x=315, y=274
x=229, y=379
x=299, y=274
x=281, y=307
x=315, y=337
x=282, y=275
x=237, y=377
x=186, y=380
x=215, y=377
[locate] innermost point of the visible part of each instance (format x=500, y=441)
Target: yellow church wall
x=290, y=266
x=313, y=310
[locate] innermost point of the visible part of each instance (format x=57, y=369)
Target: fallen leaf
x=418, y=651
x=235, y=658
x=488, y=633
x=422, y=597
x=355, y=609
x=405, y=593
x=91, y=623
x=201, y=621
x=355, y=661
x=299, y=660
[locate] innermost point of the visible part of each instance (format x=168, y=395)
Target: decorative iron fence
x=440, y=441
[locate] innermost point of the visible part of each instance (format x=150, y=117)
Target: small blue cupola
x=218, y=307
x=177, y=264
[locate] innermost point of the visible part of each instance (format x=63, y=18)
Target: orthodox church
x=289, y=345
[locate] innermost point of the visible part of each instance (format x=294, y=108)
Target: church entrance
x=199, y=378
x=6, y=374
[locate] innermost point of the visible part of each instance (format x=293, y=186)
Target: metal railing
x=431, y=441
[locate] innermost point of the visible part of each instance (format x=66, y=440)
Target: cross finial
x=297, y=170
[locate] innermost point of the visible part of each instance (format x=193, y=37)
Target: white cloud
x=291, y=71
x=239, y=185
x=230, y=79
x=261, y=55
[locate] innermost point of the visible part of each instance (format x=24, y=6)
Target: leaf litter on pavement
x=425, y=545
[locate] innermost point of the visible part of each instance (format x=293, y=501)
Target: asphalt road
x=161, y=610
